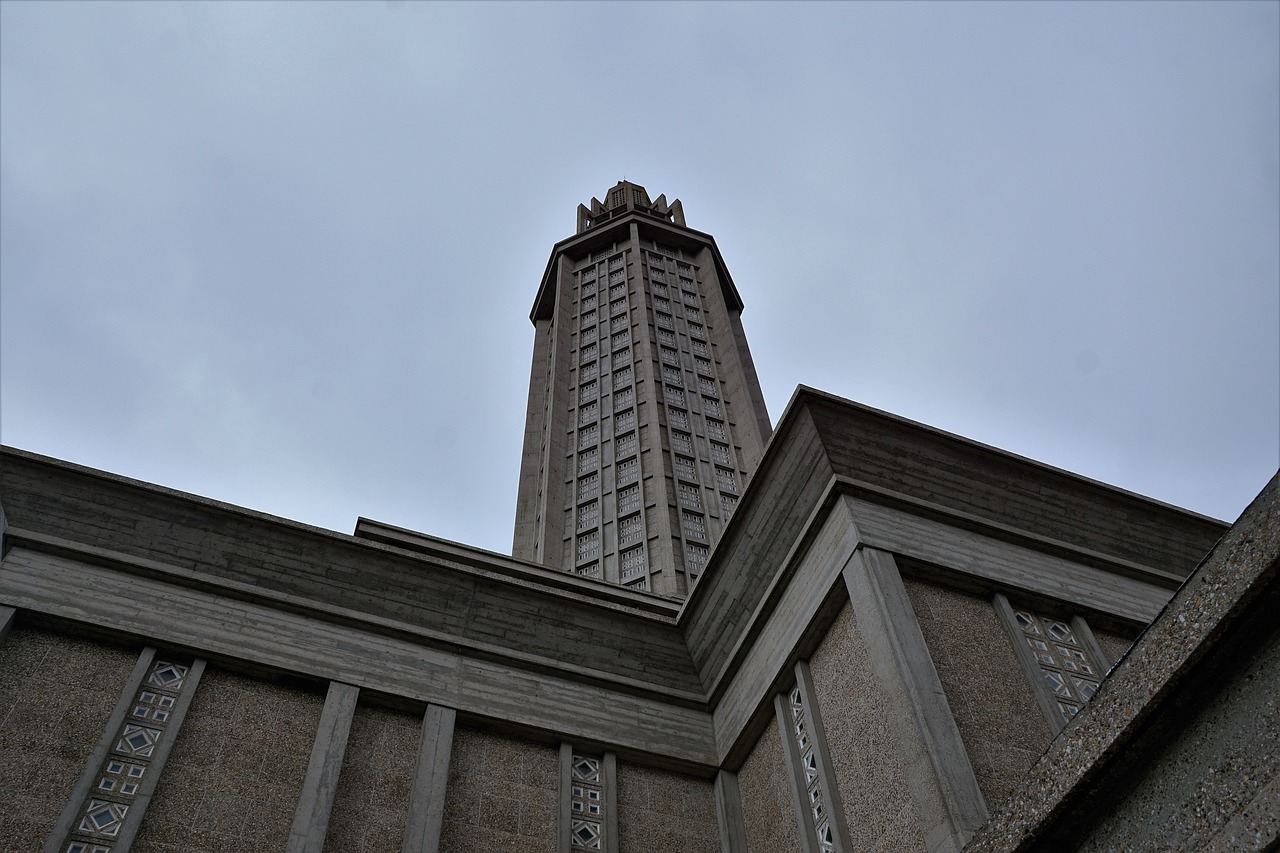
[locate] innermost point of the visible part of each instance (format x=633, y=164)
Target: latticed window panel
x=587, y=412
x=589, y=372
x=626, y=446
x=681, y=442
x=690, y=298
x=618, y=306
x=693, y=315
x=590, y=571
x=726, y=480
x=588, y=391
x=617, y=291
x=587, y=319
x=587, y=353
x=588, y=486
x=599, y=255
x=703, y=365
x=656, y=274
x=695, y=558
x=669, y=356
x=814, y=795
x=720, y=453
x=617, y=324
x=617, y=277
x=630, y=529
x=589, y=546
x=711, y=407
x=1070, y=672
x=666, y=250
x=629, y=499
x=695, y=526
x=659, y=289
x=589, y=274
x=689, y=495
x=624, y=398
x=667, y=336
x=663, y=320
x=715, y=429
x=661, y=304
x=696, y=330
x=708, y=387
x=588, y=515
x=588, y=303
x=119, y=779
x=586, y=829
x=678, y=418
x=673, y=396
x=624, y=421
x=672, y=374
x=628, y=470
x=685, y=469
x=621, y=339
x=621, y=357
x=728, y=503
x=588, y=460
x=684, y=269
x=588, y=436
x=633, y=564
x=622, y=377
x=616, y=263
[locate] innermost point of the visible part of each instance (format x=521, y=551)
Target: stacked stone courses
x=853, y=632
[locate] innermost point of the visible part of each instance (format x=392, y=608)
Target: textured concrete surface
x=233, y=778
x=371, y=806
x=1227, y=606
x=1113, y=644
x=865, y=754
x=664, y=812
x=503, y=795
x=1001, y=725
x=55, y=696
x=766, y=797
x=1215, y=785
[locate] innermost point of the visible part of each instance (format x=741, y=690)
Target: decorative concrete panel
x=865, y=754
x=371, y=806
x=55, y=696
x=664, y=812
x=1000, y=723
x=233, y=779
x=1113, y=645
x=767, y=807
x=503, y=795
x=1216, y=786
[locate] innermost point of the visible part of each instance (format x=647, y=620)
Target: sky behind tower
x=283, y=254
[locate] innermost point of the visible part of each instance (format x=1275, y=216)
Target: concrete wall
x=371, y=805
x=767, y=808
x=664, y=812
x=1216, y=786
x=55, y=696
x=503, y=795
x=865, y=754
x=1114, y=643
x=232, y=781
x=1001, y=725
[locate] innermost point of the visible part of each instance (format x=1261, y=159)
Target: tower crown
x=626, y=197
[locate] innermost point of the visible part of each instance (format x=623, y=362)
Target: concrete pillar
x=315, y=804
x=430, y=782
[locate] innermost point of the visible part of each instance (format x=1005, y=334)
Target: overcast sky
x=283, y=255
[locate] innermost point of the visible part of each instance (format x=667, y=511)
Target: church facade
x=844, y=632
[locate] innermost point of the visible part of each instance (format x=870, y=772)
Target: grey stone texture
x=56, y=694
x=1003, y=730
x=1114, y=643
x=503, y=795
x=1216, y=785
x=236, y=770
x=765, y=793
x=371, y=807
x=664, y=812
x=865, y=752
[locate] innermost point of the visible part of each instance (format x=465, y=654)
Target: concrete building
x=900, y=639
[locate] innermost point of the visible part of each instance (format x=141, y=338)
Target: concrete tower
x=645, y=415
